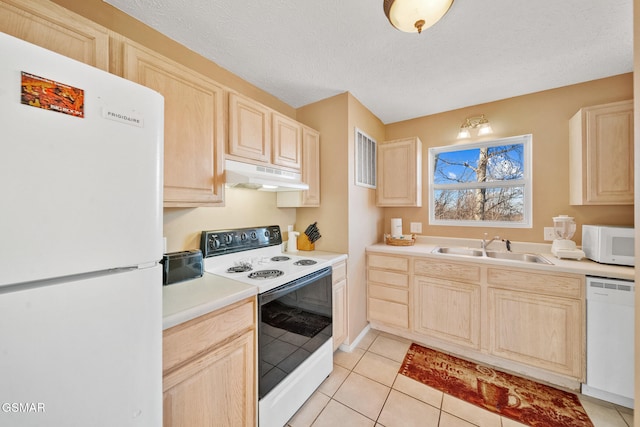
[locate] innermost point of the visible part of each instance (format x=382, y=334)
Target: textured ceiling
x=302, y=51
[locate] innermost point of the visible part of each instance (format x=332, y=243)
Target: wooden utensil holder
x=304, y=244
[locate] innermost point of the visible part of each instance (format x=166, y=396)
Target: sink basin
x=458, y=251
x=517, y=257
x=513, y=256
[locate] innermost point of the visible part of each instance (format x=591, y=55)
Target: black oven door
x=294, y=321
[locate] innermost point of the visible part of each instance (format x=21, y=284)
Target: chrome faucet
x=485, y=243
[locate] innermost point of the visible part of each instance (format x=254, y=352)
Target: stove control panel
x=222, y=242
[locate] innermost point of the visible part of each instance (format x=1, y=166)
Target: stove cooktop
x=254, y=256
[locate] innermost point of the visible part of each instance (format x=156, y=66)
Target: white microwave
x=609, y=244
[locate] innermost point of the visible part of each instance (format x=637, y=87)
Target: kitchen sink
x=458, y=251
x=513, y=256
x=518, y=257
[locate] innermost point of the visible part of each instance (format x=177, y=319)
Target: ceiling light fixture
x=477, y=122
x=413, y=16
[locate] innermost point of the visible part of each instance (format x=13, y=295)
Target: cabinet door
x=249, y=129
x=311, y=167
x=310, y=174
x=216, y=389
x=447, y=310
x=50, y=26
x=339, y=313
x=601, y=155
x=538, y=330
x=287, y=142
x=400, y=173
x=194, y=127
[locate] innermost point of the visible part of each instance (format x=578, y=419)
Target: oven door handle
x=293, y=285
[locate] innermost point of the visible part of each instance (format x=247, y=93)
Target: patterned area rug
x=519, y=399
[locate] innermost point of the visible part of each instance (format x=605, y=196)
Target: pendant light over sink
x=415, y=15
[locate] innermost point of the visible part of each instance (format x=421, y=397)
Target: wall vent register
x=366, y=158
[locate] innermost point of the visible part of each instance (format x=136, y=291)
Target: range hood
x=265, y=178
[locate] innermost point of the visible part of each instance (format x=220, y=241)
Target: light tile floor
x=365, y=389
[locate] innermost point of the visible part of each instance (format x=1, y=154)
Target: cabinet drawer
x=339, y=272
x=447, y=270
x=390, y=313
x=388, y=262
x=563, y=285
x=388, y=294
x=191, y=338
x=389, y=278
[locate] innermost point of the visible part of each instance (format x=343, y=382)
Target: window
x=365, y=160
x=484, y=184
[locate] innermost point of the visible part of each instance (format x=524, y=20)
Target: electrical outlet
x=549, y=234
x=416, y=227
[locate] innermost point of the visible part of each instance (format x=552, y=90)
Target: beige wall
x=365, y=219
x=543, y=114
x=244, y=208
x=329, y=117
x=348, y=218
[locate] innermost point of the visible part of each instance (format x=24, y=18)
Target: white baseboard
x=354, y=344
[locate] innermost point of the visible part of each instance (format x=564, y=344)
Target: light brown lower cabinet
x=538, y=319
x=340, y=307
x=209, y=369
x=448, y=310
x=525, y=319
x=388, y=290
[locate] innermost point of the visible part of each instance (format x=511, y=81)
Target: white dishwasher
x=610, y=340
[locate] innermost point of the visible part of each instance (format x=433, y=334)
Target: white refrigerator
x=80, y=243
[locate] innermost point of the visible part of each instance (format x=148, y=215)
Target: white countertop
x=193, y=298
x=424, y=245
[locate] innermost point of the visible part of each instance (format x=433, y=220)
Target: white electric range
x=266, y=268
x=295, y=348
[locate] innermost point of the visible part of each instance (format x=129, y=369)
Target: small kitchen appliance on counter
x=609, y=244
x=295, y=346
x=181, y=266
x=563, y=247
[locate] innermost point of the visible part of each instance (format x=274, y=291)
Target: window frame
x=526, y=182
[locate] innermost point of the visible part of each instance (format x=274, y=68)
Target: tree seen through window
x=481, y=183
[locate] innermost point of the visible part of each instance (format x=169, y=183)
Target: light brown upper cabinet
x=194, y=126
x=55, y=28
x=601, y=155
x=310, y=174
x=400, y=173
x=249, y=130
x=260, y=135
x=287, y=141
